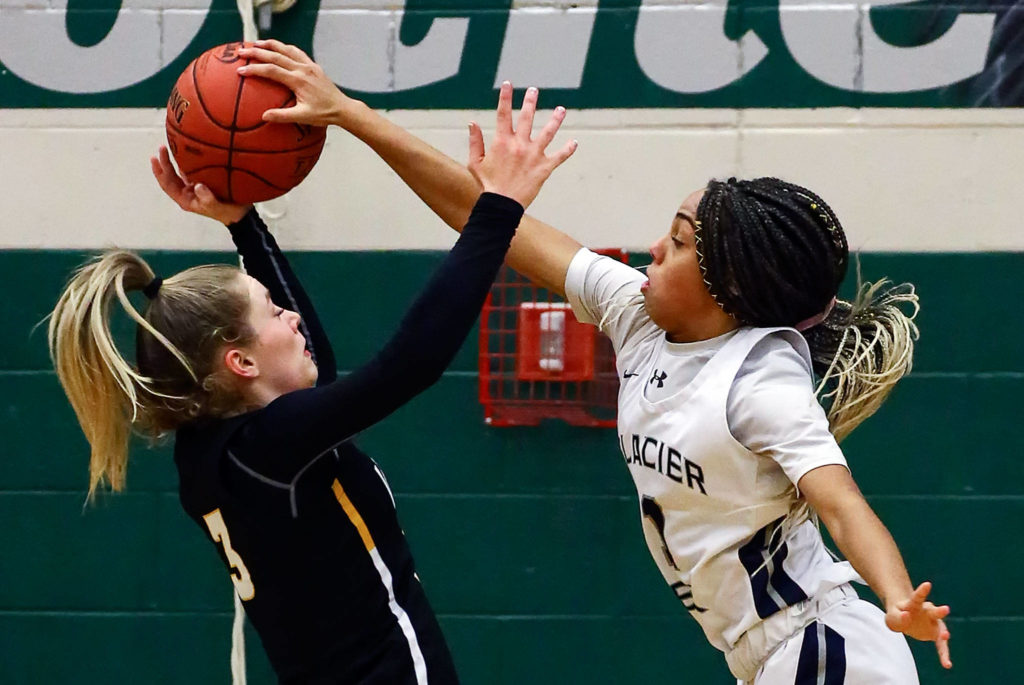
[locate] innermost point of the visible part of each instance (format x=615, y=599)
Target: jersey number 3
x=239, y=573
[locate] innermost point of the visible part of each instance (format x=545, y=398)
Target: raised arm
x=424, y=344
x=511, y=173
x=264, y=261
x=539, y=251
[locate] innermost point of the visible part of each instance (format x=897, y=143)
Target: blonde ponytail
x=102, y=386
x=173, y=382
x=862, y=349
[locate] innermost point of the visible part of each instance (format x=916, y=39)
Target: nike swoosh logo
x=627, y=374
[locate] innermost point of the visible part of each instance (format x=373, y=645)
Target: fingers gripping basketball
x=217, y=135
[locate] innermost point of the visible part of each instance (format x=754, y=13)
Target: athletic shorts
x=838, y=639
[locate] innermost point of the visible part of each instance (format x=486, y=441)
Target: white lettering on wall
x=958, y=54
x=534, y=36
x=684, y=48
x=839, y=46
x=34, y=45
x=361, y=50
x=680, y=47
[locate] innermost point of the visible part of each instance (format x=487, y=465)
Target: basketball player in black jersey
x=238, y=367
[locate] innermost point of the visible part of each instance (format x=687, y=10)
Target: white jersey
x=715, y=435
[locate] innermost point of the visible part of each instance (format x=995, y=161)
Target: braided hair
x=774, y=254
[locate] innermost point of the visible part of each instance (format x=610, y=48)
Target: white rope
x=238, y=642
x=247, y=11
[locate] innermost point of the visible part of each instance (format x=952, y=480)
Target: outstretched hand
x=318, y=101
x=922, y=620
x=515, y=165
x=192, y=197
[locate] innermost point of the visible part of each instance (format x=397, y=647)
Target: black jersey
x=304, y=521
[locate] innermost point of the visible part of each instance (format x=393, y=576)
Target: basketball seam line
x=213, y=120
x=239, y=170
x=245, y=150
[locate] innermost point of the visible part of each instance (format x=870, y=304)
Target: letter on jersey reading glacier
x=654, y=454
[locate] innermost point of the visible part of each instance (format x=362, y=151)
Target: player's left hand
x=922, y=620
x=193, y=197
x=516, y=164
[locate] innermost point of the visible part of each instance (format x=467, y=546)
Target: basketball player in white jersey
x=717, y=345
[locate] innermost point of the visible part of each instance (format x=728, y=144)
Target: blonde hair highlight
x=866, y=346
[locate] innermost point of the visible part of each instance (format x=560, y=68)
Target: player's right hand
x=318, y=101
x=192, y=197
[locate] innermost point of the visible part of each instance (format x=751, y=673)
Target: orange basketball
x=217, y=135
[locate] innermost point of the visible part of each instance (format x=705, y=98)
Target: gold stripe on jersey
x=353, y=516
x=404, y=622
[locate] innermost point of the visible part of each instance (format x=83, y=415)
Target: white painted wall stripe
x=922, y=180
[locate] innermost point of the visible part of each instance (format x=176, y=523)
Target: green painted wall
x=527, y=539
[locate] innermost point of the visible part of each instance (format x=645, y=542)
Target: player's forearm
x=869, y=547
x=539, y=251
x=443, y=184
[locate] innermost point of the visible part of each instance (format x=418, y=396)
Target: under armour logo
x=659, y=378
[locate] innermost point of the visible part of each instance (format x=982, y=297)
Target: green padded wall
x=527, y=539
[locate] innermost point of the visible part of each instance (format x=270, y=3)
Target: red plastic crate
x=538, y=362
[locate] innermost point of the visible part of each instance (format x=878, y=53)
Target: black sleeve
x=297, y=427
x=263, y=260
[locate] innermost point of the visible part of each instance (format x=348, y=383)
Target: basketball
x=217, y=135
